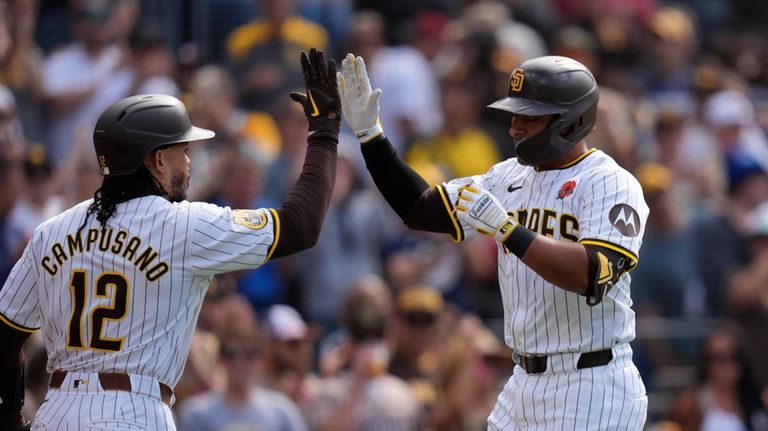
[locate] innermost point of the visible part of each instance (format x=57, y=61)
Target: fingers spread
x=340, y=83
x=320, y=66
x=305, y=65
x=365, y=83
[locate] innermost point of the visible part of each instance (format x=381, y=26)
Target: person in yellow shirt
x=461, y=147
x=262, y=52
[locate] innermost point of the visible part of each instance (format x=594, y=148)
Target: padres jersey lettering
x=592, y=201
x=133, y=289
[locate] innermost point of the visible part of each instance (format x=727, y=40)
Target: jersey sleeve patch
x=625, y=219
x=252, y=219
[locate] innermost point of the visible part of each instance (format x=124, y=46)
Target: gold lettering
x=106, y=238
x=145, y=258
x=522, y=216
x=75, y=243
x=119, y=241
x=546, y=229
x=58, y=253
x=46, y=264
x=93, y=235
x=157, y=271
x=130, y=249
x=533, y=223
x=569, y=227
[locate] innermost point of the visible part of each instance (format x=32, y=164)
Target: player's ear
x=155, y=162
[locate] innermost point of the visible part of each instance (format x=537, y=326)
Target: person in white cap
x=289, y=353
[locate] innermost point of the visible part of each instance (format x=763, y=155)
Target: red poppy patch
x=566, y=189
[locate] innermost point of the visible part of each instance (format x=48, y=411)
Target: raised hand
x=359, y=104
x=321, y=102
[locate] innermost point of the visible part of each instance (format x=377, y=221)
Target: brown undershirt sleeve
x=301, y=216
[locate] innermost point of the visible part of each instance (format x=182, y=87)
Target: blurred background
x=378, y=327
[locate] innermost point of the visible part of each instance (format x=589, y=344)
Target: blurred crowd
x=378, y=327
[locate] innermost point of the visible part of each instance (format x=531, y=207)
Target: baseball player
x=115, y=283
x=568, y=222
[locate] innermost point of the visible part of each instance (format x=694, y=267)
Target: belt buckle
x=518, y=358
x=532, y=367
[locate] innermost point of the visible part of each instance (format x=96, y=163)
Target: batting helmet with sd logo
x=135, y=126
x=552, y=85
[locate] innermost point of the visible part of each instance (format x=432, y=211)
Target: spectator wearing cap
x=363, y=395
x=289, y=353
x=668, y=284
x=730, y=116
x=415, y=356
x=665, y=72
x=76, y=77
x=688, y=151
x=11, y=178
x=748, y=290
x=38, y=202
x=721, y=232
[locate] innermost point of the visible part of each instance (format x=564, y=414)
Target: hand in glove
x=321, y=102
x=478, y=208
x=359, y=104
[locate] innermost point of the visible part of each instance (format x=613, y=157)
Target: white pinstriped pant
x=610, y=397
x=88, y=407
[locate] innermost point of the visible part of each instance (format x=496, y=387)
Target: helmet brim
x=197, y=134
x=517, y=105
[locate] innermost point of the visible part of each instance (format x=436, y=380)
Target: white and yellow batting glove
x=478, y=208
x=359, y=105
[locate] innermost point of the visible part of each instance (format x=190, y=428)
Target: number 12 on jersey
x=110, y=285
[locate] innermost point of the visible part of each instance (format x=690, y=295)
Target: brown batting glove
x=321, y=102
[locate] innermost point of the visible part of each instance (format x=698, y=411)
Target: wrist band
x=519, y=240
x=366, y=135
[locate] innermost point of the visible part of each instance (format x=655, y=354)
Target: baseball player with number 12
x=568, y=222
x=115, y=283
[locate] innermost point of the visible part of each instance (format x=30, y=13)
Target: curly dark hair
x=120, y=188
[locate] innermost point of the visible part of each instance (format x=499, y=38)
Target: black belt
x=112, y=382
x=537, y=364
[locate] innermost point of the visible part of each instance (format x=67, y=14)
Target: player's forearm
x=400, y=185
x=561, y=263
x=303, y=211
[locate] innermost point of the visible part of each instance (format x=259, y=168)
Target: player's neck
x=575, y=154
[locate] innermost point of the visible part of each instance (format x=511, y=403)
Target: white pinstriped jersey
x=125, y=299
x=592, y=200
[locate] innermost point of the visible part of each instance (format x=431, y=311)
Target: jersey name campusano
x=123, y=298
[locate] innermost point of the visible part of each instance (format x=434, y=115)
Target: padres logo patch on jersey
x=625, y=219
x=252, y=219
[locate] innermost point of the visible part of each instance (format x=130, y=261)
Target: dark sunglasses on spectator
x=93, y=16
x=296, y=342
x=239, y=354
x=722, y=357
x=419, y=319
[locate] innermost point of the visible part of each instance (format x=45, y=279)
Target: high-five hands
x=359, y=104
x=478, y=208
x=321, y=102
